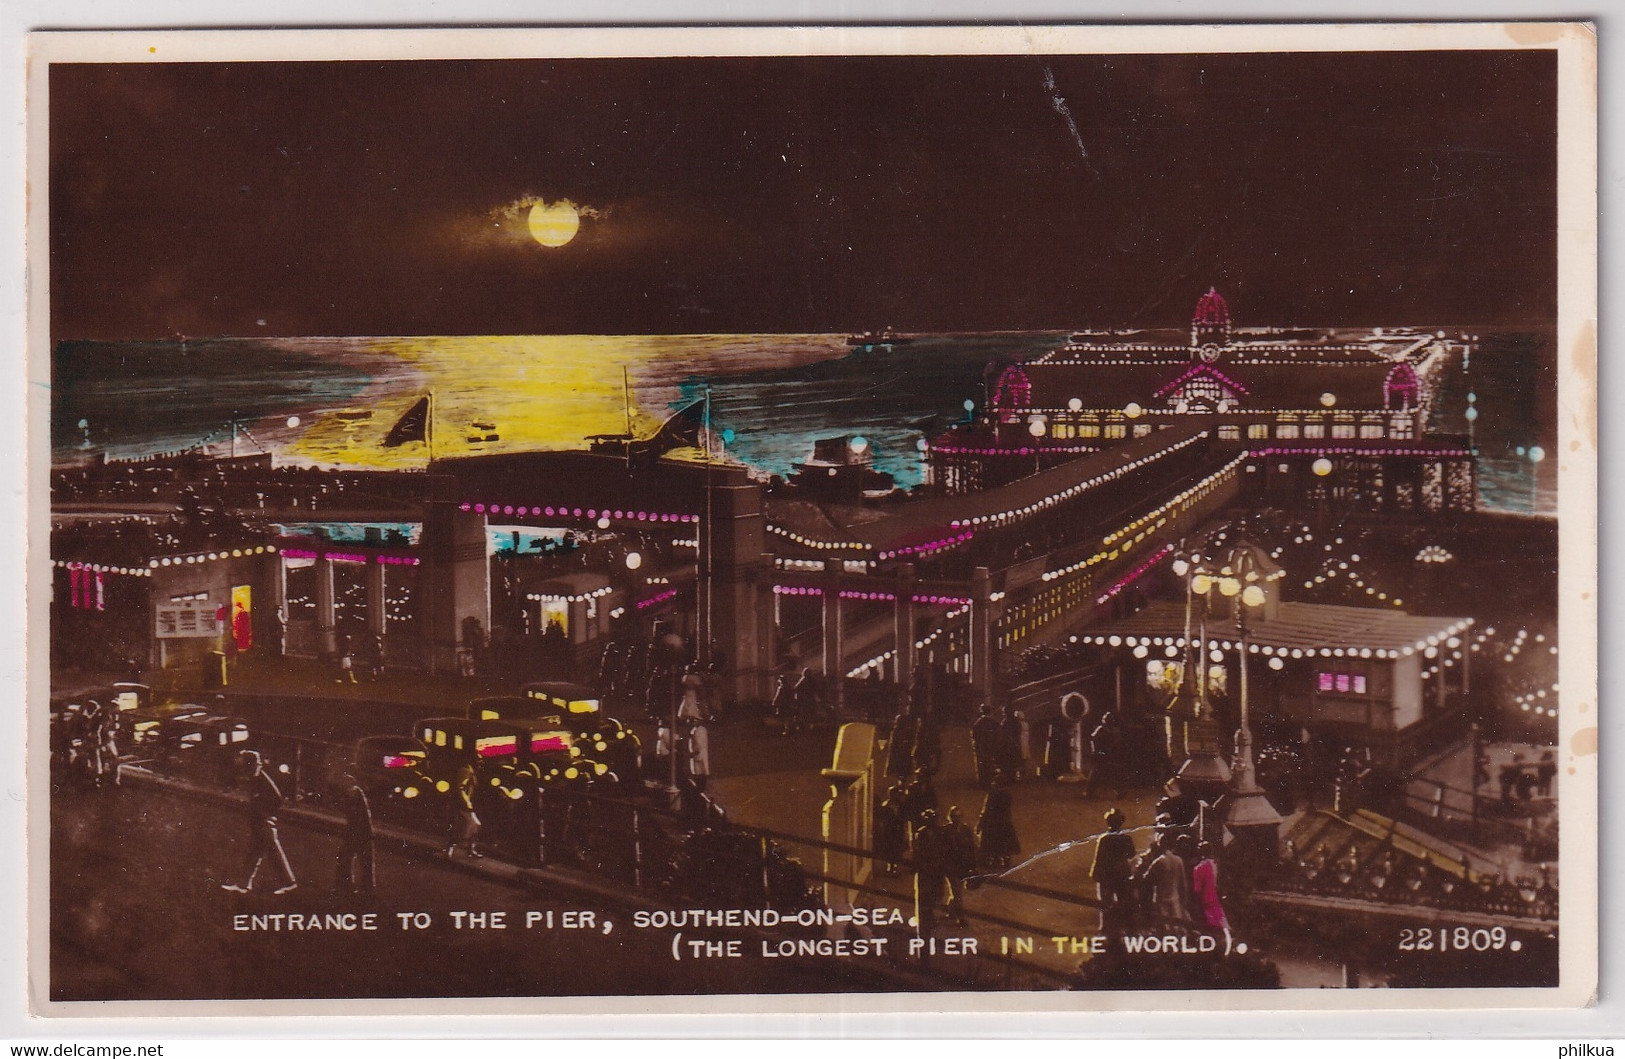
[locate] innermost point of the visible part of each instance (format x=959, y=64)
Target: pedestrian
x=465, y=823
x=690, y=708
x=107, y=748
x=346, y=661
x=930, y=873
x=531, y=823
x=1164, y=873
x=891, y=829
x=375, y=656
x=1545, y=772
x=1012, y=757
x=264, y=802
x=927, y=756
x=1205, y=889
x=959, y=860
x=1509, y=778
x=996, y=840
x=1113, y=863
x=807, y=697
x=698, y=748
x=663, y=748
x=784, y=703
x=984, y=741
x=900, y=747
x=609, y=669
x=355, y=873
x=91, y=742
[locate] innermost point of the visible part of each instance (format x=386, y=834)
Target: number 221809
x=1455, y=939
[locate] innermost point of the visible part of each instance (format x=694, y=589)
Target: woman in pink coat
x=1205, y=887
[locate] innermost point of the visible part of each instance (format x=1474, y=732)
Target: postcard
x=813, y=519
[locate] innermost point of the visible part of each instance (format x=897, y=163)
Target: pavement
x=138, y=913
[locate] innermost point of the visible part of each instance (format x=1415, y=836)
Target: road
x=138, y=913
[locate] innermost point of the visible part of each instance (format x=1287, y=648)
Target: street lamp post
x=1191, y=728
x=1248, y=814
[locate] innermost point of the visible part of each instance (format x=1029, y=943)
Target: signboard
x=179, y=621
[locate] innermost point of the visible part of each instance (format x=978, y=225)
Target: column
x=981, y=633
x=903, y=628
x=834, y=648
x=454, y=581
x=277, y=627
x=733, y=601
x=326, y=633
x=376, y=607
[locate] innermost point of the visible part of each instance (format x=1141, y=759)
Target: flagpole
x=626, y=396
x=428, y=425
x=704, y=653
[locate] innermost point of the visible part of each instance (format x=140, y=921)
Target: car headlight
x=442, y=786
x=600, y=745
x=409, y=792
x=599, y=768
x=496, y=781
x=571, y=773
x=515, y=793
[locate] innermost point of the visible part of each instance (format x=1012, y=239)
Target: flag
x=413, y=426
x=683, y=428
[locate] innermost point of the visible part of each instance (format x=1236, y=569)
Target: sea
x=332, y=401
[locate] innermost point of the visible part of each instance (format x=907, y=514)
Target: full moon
x=554, y=225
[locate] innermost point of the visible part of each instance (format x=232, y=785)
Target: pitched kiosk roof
x=1315, y=628
x=1357, y=385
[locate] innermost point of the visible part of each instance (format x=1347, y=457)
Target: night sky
x=801, y=195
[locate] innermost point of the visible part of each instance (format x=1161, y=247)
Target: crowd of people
x=1174, y=882
x=84, y=741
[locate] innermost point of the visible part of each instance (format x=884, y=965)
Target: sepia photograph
x=1080, y=518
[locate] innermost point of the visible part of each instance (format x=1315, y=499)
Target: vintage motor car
x=600, y=736
x=204, y=748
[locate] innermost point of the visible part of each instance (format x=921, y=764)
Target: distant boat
x=871, y=339
x=353, y=415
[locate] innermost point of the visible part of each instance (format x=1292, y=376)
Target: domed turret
x=1210, y=325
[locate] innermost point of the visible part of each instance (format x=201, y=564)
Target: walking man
x=355, y=867
x=959, y=860
x=1113, y=863
x=984, y=737
x=264, y=802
